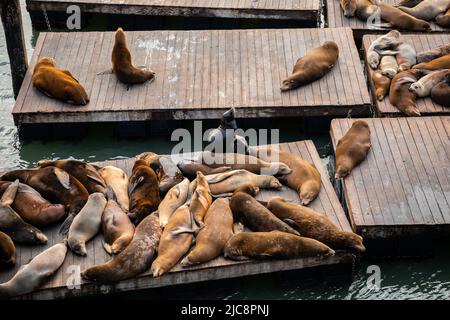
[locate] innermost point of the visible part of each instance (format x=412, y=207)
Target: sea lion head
x=280, y=168
x=48, y=61
x=76, y=94
x=373, y=59
x=353, y=241
x=77, y=246
x=120, y=37
x=274, y=183
x=228, y=121
x=418, y=88
x=390, y=72
x=343, y=168
x=290, y=83
x=249, y=189
x=422, y=25
x=307, y=197
x=349, y=7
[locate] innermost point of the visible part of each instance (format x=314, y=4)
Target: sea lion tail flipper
x=136, y=184
x=64, y=230
x=386, y=25
x=222, y=195
x=107, y=247
x=181, y=230
x=63, y=177
x=264, y=203
x=109, y=71
x=96, y=179
x=291, y=223
x=10, y=194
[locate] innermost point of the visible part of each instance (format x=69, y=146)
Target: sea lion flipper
x=64, y=230
x=291, y=223
x=109, y=71
x=96, y=179
x=222, y=176
x=107, y=247
x=10, y=194
x=264, y=203
x=222, y=195
x=63, y=177
x=181, y=230
x=136, y=184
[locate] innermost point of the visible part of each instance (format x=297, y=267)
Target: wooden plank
x=406, y=191
x=199, y=75
x=421, y=43
x=220, y=268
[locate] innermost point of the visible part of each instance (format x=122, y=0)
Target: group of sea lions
x=404, y=74
x=412, y=15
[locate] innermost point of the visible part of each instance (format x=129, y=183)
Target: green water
x=401, y=279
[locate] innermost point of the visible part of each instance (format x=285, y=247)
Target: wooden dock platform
x=336, y=19
x=403, y=187
x=421, y=42
x=199, y=75
x=219, y=268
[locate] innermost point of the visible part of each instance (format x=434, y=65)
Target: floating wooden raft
x=336, y=19
x=403, y=187
x=200, y=74
x=421, y=43
x=219, y=268
x=307, y=10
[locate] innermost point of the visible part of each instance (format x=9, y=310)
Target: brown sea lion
x=406, y=56
x=57, y=83
x=312, y=66
x=422, y=87
x=253, y=214
x=314, y=225
x=387, y=41
x=427, y=9
x=273, y=244
x=174, y=199
x=400, y=19
x=175, y=241
x=399, y=94
x=117, y=179
x=189, y=168
x=409, y=3
x=7, y=251
x=440, y=93
x=428, y=55
x=134, y=259
x=436, y=64
x=304, y=178
x=381, y=83
x=239, y=161
x=13, y=225
x=82, y=171
x=352, y=148
x=362, y=9
x=443, y=20
x=118, y=230
x=122, y=64
x=212, y=238
x=32, y=207
x=144, y=192
x=34, y=274
x=201, y=200
x=55, y=185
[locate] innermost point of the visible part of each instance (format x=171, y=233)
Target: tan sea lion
x=388, y=41
x=399, y=94
x=304, y=178
x=144, y=192
x=117, y=179
x=428, y=55
x=253, y=214
x=389, y=66
x=201, y=200
x=134, y=259
x=352, y=148
x=422, y=87
x=189, y=168
x=7, y=251
x=362, y=9
x=443, y=20
x=315, y=64
x=382, y=85
x=122, y=64
x=436, y=64
x=82, y=171
x=314, y=225
x=57, y=83
x=32, y=207
x=427, y=9
x=239, y=161
x=400, y=19
x=440, y=93
x=406, y=56
x=13, y=225
x=118, y=230
x=175, y=241
x=273, y=244
x=174, y=199
x=86, y=224
x=211, y=239
x=55, y=185
x=33, y=275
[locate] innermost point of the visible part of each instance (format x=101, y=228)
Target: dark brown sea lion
x=315, y=225
x=7, y=251
x=436, y=64
x=57, y=83
x=134, y=259
x=212, y=238
x=122, y=64
x=440, y=93
x=428, y=55
x=144, y=192
x=399, y=94
x=274, y=244
x=353, y=148
x=32, y=207
x=13, y=225
x=254, y=215
x=55, y=185
x=189, y=168
x=400, y=19
x=443, y=19
x=82, y=171
x=312, y=66
x=409, y=3
x=381, y=84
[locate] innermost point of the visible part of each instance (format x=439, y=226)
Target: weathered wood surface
x=421, y=43
x=199, y=75
x=336, y=19
x=219, y=268
x=245, y=9
x=403, y=187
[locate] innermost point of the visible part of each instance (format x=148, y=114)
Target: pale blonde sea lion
x=117, y=179
x=174, y=199
x=201, y=200
x=388, y=66
x=422, y=88
x=427, y=9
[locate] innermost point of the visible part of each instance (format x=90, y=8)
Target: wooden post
x=15, y=41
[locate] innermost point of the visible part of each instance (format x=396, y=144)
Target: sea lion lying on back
x=7, y=251
x=388, y=41
x=122, y=65
x=201, y=200
x=82, y=171
x=57, y=83
x=406, y=56
x=428, y=55
x=389, y=66
x=312, y=66
x=436, y=64
x=427, y=9
x=174, y=198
